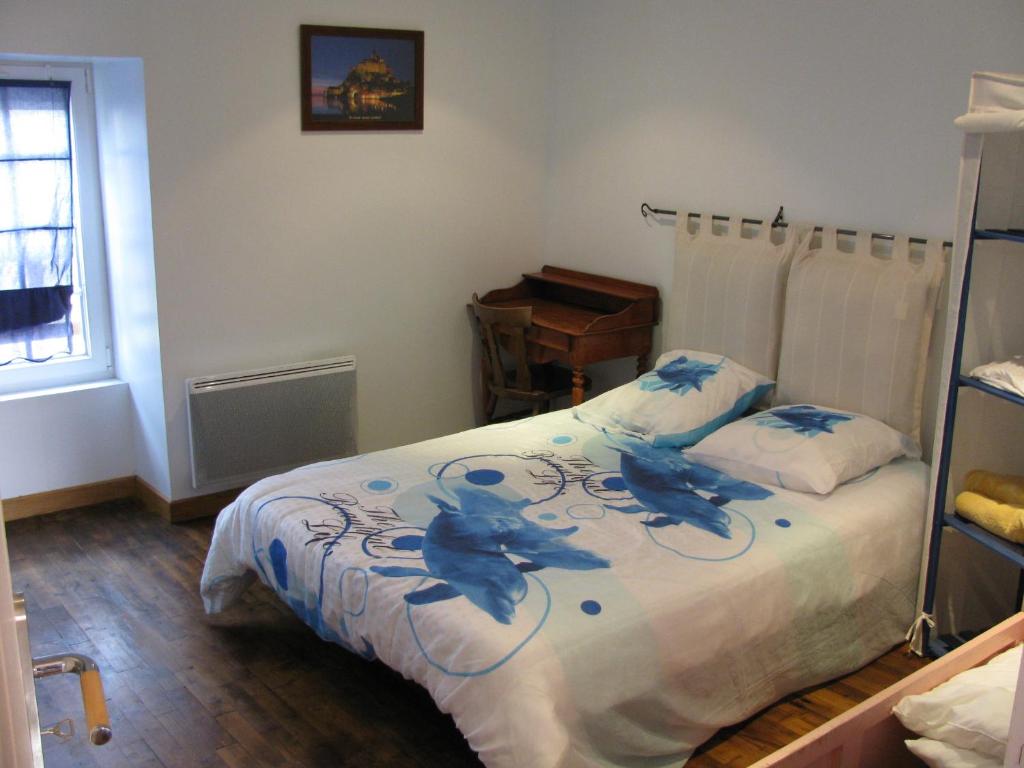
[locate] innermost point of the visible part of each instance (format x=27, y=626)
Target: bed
x=544, y=582
x=575, y=596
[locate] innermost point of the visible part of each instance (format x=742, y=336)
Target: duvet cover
x=575, y=598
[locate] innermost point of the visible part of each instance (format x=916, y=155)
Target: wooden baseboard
x=206, y=505
x=151, y=499
x=68, y=498
x=118, y=488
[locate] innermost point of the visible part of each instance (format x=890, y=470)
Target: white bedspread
x=574, y=600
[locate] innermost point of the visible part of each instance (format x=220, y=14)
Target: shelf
x=1014, y=235
x=942, y=515
x=988, y=389
x=1007, y=549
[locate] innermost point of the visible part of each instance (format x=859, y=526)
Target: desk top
x=555, y=315
x=612, y=286
x=578, y=303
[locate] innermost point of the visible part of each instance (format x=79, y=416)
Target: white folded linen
x=1005, y=374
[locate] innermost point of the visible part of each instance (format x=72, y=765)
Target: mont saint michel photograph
x=361, y=79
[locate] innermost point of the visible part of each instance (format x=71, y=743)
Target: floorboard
x=254, y=686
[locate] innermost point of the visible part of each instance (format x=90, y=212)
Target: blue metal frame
x=1007, y=549
x=970, y=381
x=946, y=449
x=1014, y=235
x=1012, y=552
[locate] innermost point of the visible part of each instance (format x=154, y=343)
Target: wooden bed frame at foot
x=869, y=735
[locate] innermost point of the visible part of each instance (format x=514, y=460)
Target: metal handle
x=64, y=730
x=96, y=718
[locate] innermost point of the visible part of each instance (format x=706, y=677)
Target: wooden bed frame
x=869, y=735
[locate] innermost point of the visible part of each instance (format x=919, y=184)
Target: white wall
x=841, y=111
x=67, y=436
x=547, y=123
x=124, y=170
x=275, y=246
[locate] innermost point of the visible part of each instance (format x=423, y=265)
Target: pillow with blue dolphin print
x=688, y=395
x=802, y=447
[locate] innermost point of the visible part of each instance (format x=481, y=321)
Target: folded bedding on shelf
x=1004, y=374
x=1008, y=489
x=1004, y=520
x=995, y=502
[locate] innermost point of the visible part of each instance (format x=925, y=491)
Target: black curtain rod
x=646, y=210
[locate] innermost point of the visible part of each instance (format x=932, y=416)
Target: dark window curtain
x=36, y=211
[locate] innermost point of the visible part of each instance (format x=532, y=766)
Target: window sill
x=62, y=390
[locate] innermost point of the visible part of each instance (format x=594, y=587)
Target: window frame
x=97, y=364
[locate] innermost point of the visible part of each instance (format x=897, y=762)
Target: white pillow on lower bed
x=938, y=754
x=970, y=710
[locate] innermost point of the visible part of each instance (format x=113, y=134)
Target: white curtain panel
x=857, y=327
x=728, y=292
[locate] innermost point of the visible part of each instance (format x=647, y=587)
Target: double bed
x=542, y=582
x=578, y=594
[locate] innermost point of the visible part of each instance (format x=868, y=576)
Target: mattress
x=574, y=598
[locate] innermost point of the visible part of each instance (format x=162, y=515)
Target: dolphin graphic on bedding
x=467, y=548
x=666, y=484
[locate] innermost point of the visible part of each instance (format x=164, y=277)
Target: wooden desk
x=579, y=319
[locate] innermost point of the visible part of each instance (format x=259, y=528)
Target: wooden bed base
x=869, y=734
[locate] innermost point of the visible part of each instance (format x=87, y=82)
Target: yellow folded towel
x=1004, y=520
x=1008, y=489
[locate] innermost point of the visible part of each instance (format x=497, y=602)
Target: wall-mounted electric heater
x=251, y=424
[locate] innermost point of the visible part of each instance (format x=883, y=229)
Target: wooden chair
x=504, y=328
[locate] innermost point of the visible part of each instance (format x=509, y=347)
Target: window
x=54, y=324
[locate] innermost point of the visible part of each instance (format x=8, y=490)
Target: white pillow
x=802, y=447
x=687, y=396
x=939, y=754
x=970, y=710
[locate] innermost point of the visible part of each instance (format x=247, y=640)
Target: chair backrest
x=509, y=323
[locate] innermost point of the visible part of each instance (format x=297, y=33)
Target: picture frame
x=361, y=79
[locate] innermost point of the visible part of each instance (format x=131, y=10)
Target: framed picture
x=357, y=79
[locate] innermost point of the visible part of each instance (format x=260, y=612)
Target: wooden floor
x=254, y=686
